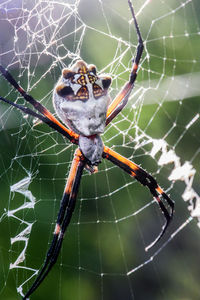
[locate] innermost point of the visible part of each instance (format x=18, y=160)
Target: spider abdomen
x=81, y=99
x=85, y=118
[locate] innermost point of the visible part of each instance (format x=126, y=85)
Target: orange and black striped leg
x=122, y=98
x=64, y=216
x=147, y=180
x=119, y=102
x=52, y=121
x=44, y=119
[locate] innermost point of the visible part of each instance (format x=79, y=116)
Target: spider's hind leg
x=147, y=180
x=64, y=216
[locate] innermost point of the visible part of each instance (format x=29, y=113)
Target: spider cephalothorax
x=82, y=102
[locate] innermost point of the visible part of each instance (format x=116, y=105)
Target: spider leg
x=147, y=180
x=52, y=121
x=122, y=98
x=64, y=216
x=44, y=119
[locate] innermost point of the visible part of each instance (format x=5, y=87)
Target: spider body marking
x=81, y=101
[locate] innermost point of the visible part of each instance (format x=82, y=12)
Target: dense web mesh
x=103, y=256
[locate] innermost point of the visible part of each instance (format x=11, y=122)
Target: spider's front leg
x=122, y=98
x=147, y=180
x=44, y=115
x=64, y=216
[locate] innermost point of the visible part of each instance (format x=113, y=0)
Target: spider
x=82, y=102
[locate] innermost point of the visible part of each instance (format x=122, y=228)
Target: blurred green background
x=37, y=40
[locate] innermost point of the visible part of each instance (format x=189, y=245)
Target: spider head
x=81, y=98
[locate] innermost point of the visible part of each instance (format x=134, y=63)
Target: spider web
x=103, y=256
